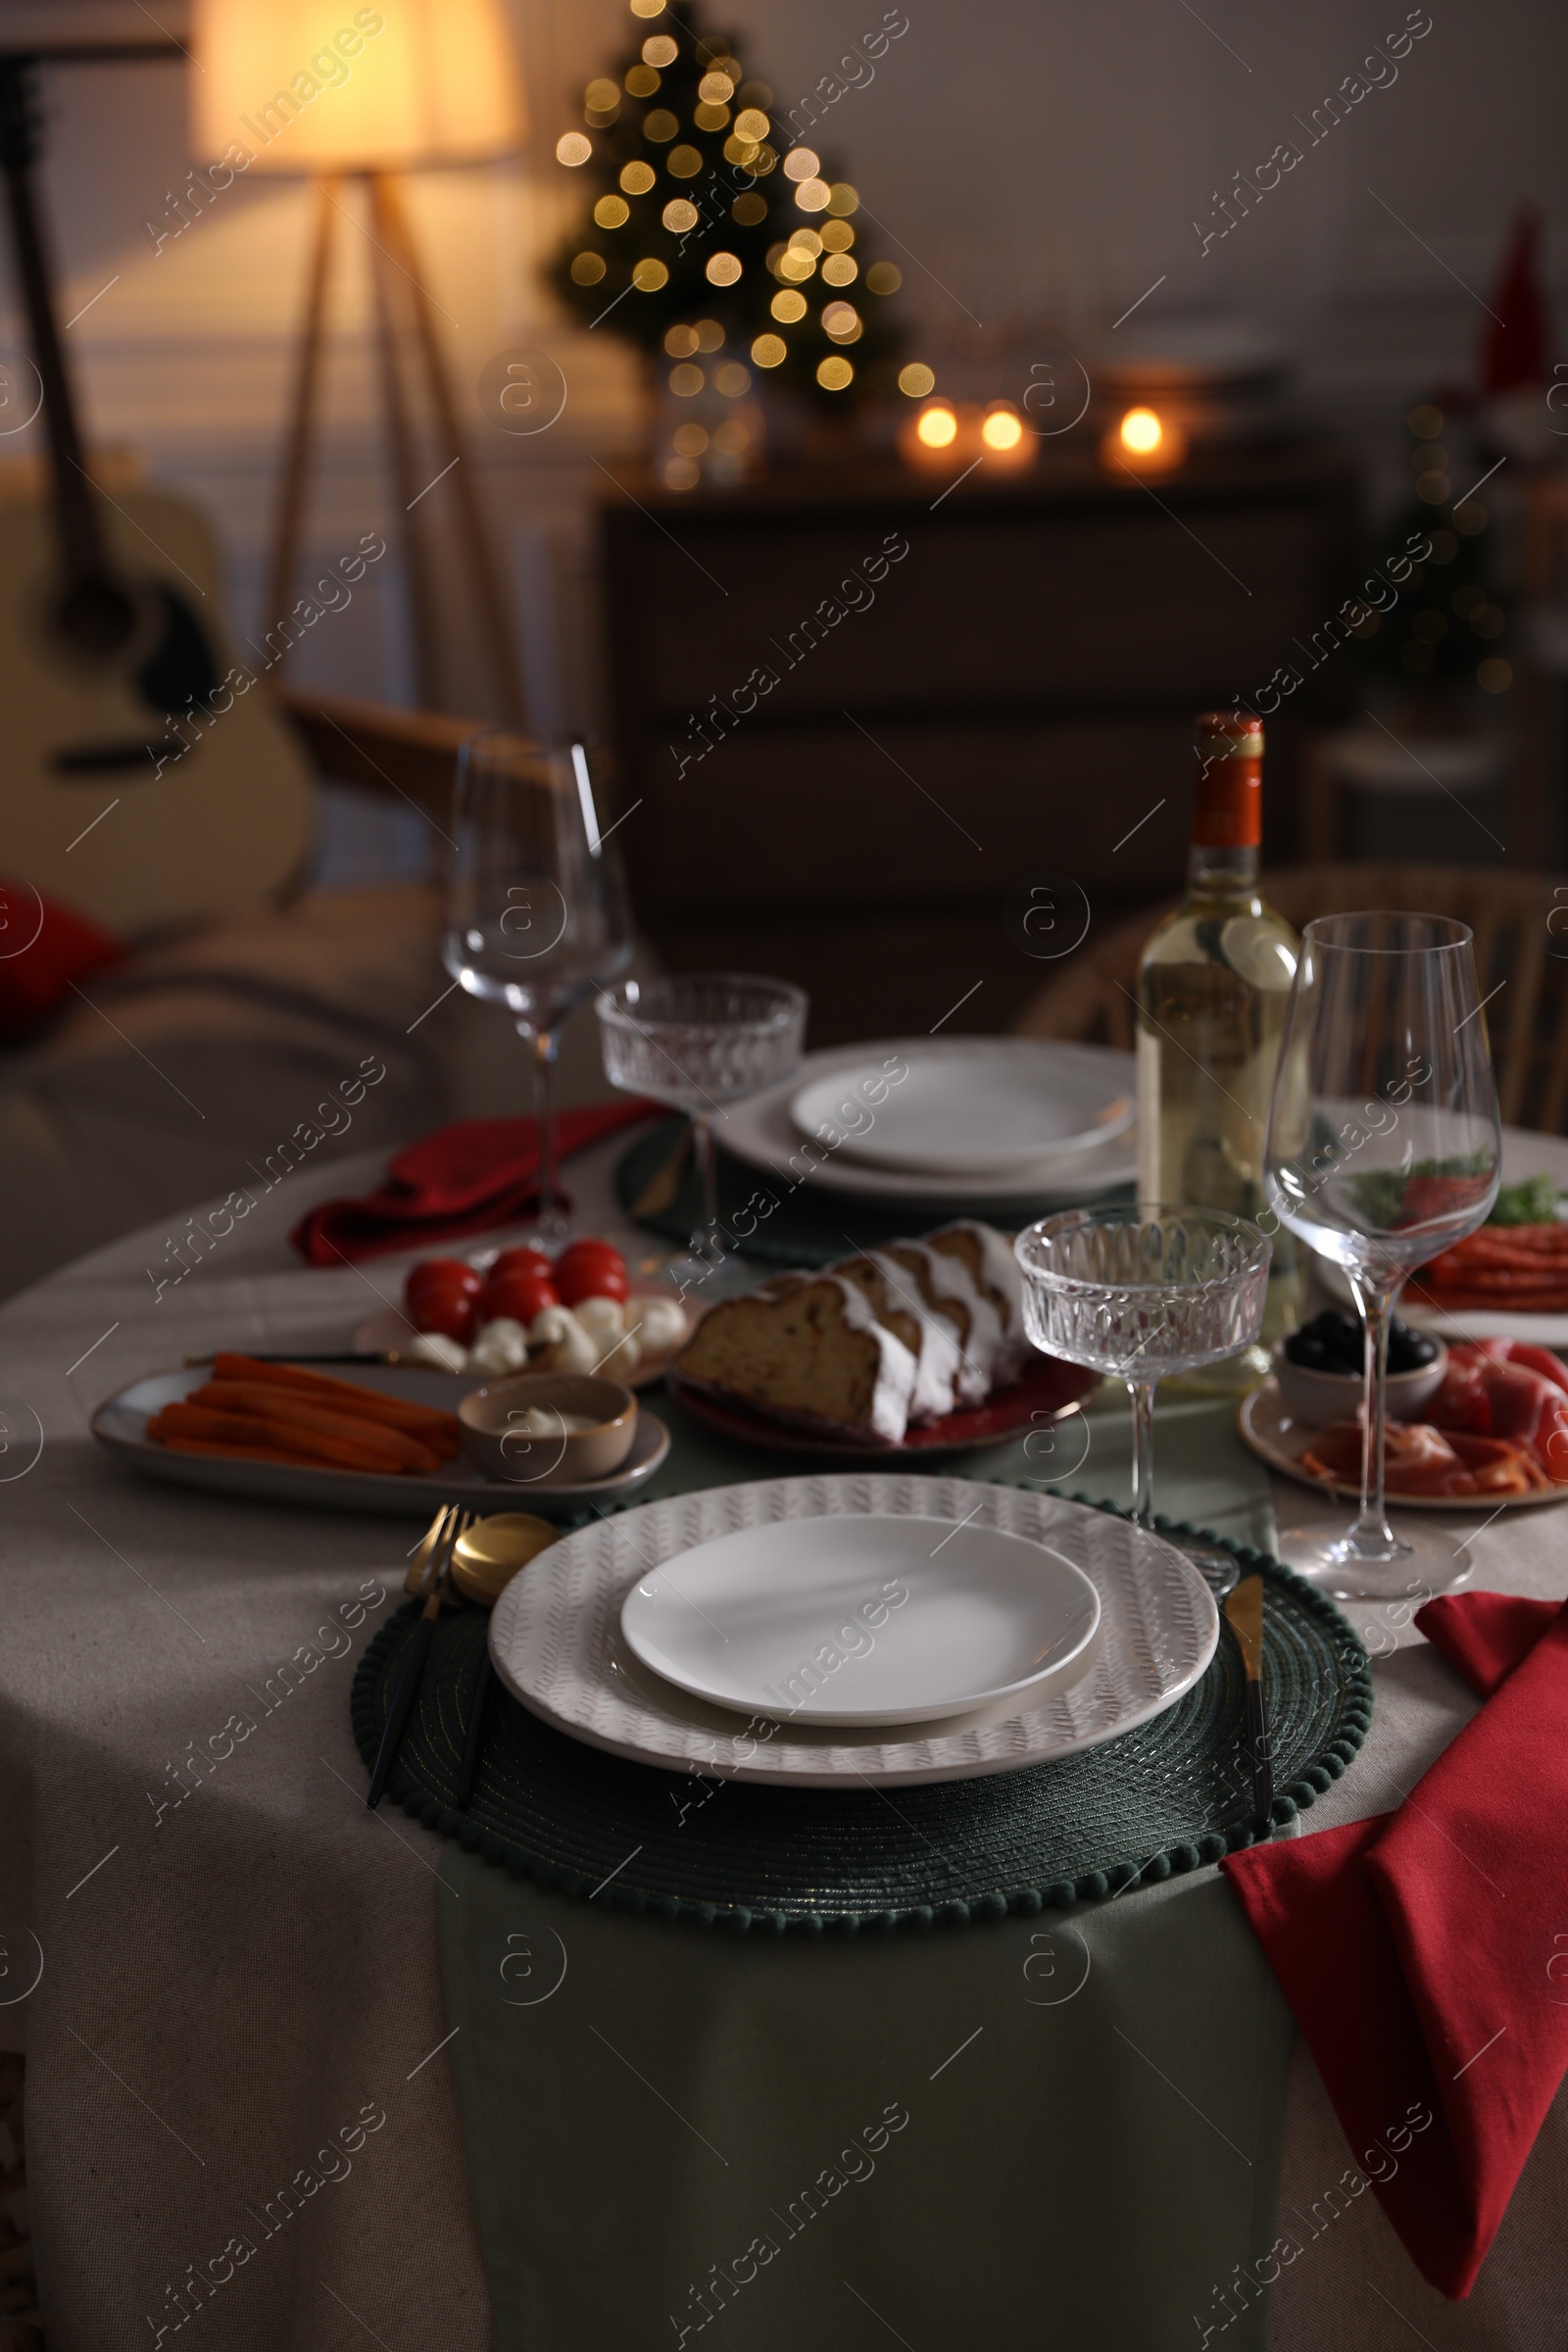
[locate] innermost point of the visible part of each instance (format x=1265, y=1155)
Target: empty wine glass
x=1141, y=1290
x=536, y=910
x=697, y=1043
x=1383, y=1149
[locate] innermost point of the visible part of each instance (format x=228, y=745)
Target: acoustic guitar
x=145, y=775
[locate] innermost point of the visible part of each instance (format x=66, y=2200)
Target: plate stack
x=823, y=1630
x=970, y=1126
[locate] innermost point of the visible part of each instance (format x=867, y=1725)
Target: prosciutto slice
x=1418, y=1460
x=1505, y=1389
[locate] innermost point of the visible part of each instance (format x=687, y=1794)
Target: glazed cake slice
x=994, y=1271
x=951, y=1291
x=896, y=1302
x=810, y=1351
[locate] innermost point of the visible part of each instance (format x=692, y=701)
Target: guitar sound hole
x=95, y=618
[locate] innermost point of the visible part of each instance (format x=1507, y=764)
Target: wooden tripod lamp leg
x=385, y=277
x=482, y=567
x=301, y=415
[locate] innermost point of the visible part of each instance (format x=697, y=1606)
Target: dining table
x=303, y=2073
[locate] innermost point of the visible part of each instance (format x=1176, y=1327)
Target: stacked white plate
x=984, y=1119
x=822, y=1630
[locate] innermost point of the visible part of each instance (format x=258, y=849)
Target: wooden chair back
x=1520, y=924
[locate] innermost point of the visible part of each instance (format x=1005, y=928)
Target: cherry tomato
x=446, y=1308
x=590, y=1270
x=523, y=1260
x=520, y=1295
x=440, y=1274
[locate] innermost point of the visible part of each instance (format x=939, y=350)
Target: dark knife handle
x=476, y=1739
x=402, y=1707
x=1259, y=1756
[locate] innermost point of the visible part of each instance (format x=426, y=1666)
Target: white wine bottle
x=1212, y=989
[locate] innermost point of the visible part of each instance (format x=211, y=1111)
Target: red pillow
x=43, y=948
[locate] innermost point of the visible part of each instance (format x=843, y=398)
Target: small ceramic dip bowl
x=549, y=1429
x=1315, y=1397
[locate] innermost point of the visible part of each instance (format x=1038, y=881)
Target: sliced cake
x=951, y=1291
x=810, y=1350
x=894, y=1299
x=994, y=1270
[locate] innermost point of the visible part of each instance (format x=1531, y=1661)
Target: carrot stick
x=197, y=1421
x=241, y=1454
x=343, y=1447
x=260, y=1401
x=420, y=1420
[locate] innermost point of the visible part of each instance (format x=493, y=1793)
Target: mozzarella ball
x=502, y=1347
x=663, y=1322
x=434, y=1347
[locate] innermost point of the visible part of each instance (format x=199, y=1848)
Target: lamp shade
x=322, y=85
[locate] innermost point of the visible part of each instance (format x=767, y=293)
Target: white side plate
x=858, y=1621
x=762, y=1131
x=976, y=1106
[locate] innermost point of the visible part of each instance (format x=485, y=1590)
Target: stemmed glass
x=1142, y=1291
x=699, y=1043
x=1383, y=1149
x=536, y=910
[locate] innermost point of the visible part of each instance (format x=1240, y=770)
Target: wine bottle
x=1213, y=988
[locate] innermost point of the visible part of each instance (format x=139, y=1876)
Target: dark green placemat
x=804, y=1226
x=1166, y=1797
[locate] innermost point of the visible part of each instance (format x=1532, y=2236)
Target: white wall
x=1041, y=161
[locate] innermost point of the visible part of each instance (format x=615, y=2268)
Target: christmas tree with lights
x=713, y=242
x=1445, y=626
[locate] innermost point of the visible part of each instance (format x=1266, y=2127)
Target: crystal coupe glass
x=698, y=1043
x=1139, y=1291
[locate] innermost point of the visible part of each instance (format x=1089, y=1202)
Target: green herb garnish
x=1533, y=1202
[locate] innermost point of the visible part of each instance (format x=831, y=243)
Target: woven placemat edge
x=1096, y=1885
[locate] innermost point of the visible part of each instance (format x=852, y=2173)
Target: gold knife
x=1244, y=1612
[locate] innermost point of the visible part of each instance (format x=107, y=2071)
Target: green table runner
x=1063, y=2129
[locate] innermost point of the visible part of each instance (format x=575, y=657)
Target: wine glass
x=1383, y=1149
x=699, y=1043
x=1141, y=1290
x=536, y=910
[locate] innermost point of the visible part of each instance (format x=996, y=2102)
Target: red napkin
x=43, y=948
x=1417, y=1949
x=465, y=1178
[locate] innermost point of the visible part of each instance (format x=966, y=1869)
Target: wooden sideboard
x=846, y=755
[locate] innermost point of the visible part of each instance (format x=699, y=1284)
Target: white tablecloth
x=240, y=1994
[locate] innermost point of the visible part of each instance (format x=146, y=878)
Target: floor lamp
x=363, y=96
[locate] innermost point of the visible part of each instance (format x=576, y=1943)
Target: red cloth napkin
x=465, y=1178
x=1417, y=1949
x=43, y=948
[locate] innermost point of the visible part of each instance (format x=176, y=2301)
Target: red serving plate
x=1046, y=1393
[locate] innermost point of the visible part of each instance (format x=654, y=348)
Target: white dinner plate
x=121, y=1424
x=983, y=1106
x=557, y=1645
x=862, y=1620
x=762, y=1131
x=1280, y=1440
